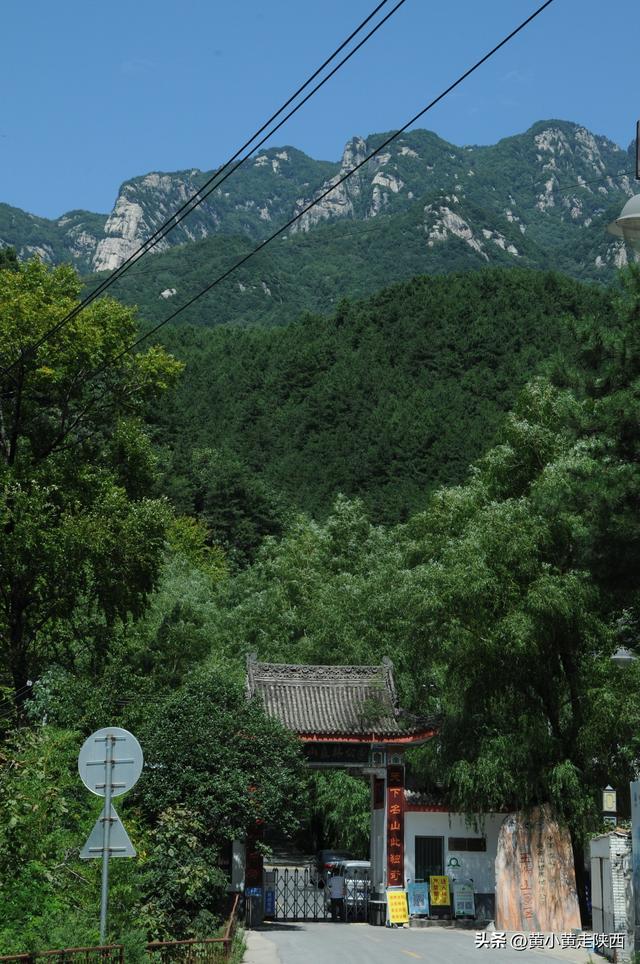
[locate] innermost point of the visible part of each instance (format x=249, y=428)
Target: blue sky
x=95, y=93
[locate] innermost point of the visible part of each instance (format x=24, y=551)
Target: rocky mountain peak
x=526, y=190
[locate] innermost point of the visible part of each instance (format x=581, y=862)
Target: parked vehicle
x=357, y=887
x=326, y=862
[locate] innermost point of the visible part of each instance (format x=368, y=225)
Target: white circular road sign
x=126, y=763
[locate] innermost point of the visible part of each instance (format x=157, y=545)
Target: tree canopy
x=82, y=541
x=148, y=549
x=384, y=401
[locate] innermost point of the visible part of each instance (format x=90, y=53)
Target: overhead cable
x=583, y=183
x=215, y=180
x=313, y=203
x=333, y=187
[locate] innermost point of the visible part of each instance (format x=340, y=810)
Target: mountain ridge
x=537, y=183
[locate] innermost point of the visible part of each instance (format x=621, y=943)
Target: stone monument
x=535, y=877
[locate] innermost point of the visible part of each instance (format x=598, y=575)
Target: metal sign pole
x=109, y=773
x=106, y=836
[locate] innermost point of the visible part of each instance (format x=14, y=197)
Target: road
x=337, y=943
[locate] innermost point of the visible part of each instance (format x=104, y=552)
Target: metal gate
x=294, y=895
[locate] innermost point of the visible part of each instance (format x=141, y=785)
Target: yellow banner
x=397, y=907
x=439, y=891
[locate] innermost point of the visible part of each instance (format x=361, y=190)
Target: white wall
x=377, y=856
x=237, y=865
x=479, y=866
x=611, y=885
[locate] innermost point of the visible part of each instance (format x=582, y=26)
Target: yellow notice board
x=398, y=907
x=439, y=891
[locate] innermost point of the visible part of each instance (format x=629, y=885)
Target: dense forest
x=384, y=400
x=447, y=473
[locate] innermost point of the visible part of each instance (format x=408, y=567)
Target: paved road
x=329, y=943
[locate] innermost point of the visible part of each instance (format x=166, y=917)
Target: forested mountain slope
x=385, y=399
x=72, y=237
x=540, y=198
x=114, y=608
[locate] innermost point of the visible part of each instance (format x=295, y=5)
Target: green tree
x=8, y=259
x=388, y=399
x=82, y=544
x=211, y=749
x=341, y=806
x=215, y=766
x=324, y=593
x=183, y=884
x=518, y=623
x=237, y=508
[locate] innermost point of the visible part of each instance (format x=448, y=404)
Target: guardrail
x=111, y=953
x=206, y=951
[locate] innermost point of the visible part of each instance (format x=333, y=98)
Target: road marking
x=411, y=954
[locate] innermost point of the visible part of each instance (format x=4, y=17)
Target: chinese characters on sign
x=439, y=891
x=522, y=942
x=418, y=898
x=535, y=879
x=397, y=907
x=526, y=901
x=395, y=826
x=463, y=898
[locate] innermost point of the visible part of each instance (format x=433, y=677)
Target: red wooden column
x=395, y=826
x=253, y=857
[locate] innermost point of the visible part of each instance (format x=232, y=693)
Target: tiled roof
x=330, y=700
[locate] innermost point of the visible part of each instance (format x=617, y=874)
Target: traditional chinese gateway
x=348, y=717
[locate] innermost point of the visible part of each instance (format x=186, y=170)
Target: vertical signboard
x=439, y=895
x=395, y=826
x=463, y=898
x=418, y=898
x=254, y=859
x=398, y=912
x=635, y=854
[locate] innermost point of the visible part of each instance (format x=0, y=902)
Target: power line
x=10, y=711
x=18, y=692
x=307, y=208
x=202, y=193
x=583, y=183
x=333, y=187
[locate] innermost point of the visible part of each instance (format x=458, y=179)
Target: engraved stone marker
x=535, y=878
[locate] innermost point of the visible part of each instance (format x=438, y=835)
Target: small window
x=473, y=844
